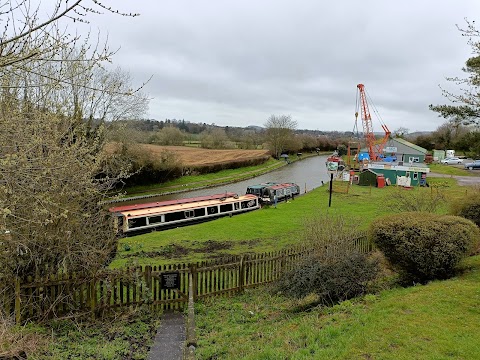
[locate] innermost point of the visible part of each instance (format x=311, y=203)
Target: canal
x=309, y=173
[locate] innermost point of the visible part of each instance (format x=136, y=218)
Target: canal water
x=309, y=173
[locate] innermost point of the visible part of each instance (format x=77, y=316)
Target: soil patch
x=168, y=252
x=211, y=246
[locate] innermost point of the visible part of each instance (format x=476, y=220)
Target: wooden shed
x=367, y=178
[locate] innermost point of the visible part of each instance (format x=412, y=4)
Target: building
x=405, y=151
x=408, y=168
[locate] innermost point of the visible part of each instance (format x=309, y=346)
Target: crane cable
x=374, y=109
x=355, y=126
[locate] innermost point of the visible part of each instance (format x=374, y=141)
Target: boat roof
x=283, y=185
x=261, y=186
x=171, y=202
x=182, y=206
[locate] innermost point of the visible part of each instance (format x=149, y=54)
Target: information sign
x=170, y=280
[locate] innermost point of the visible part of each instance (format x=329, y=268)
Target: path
x=170, y=338
x=461, y=180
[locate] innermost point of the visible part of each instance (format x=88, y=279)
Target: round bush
x=424, y=246
x=468, y=207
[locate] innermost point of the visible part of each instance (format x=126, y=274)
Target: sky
x=235, y=63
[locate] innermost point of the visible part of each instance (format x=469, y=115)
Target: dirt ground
x=191, y=156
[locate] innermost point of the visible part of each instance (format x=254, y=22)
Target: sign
x=332, y=166
x=170, y=280
x=390, y=149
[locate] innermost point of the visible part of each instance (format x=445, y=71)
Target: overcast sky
x=237, y=62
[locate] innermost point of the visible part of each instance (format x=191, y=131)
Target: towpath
x=170, y=339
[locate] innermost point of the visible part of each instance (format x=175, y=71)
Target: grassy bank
x=191, y=182
x=435, y=321
x=269, y=228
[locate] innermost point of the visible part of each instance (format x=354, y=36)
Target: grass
x=450, y=170
x=269, y=228
x=126, y=337
x=435, y=321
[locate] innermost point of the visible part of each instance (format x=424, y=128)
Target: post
x=194, y=279
x=241, y=275
x=331, y=184
x=191, y=335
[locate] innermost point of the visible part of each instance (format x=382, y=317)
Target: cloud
x=235, y=63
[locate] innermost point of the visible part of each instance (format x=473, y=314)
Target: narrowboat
x=266, y=192
x=171, y=213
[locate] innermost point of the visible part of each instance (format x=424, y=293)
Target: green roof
x=410, y=145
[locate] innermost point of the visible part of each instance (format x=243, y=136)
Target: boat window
x=236, y=205
x=212, y=210
x=248, y=204
x=179, y=215
x=155, y=219
x=137, y=222
x=225, y=208
x=200, y=212
x=189, y=214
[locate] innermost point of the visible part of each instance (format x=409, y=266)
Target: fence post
x=194, y=281
x=18, y=314
x=148, y=284
x=241, y=274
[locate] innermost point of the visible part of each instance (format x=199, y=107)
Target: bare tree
x=279, y=131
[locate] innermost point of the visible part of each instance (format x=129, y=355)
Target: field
x=193, y=156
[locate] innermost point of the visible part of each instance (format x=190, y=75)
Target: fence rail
x=62, y=295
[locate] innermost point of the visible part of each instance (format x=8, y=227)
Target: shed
x=391, y=171
x=405, y=151
x=368, y=178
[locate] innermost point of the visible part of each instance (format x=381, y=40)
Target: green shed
x=367, y=178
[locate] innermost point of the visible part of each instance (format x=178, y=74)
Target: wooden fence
x=62, y=295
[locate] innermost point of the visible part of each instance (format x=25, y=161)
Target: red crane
x=374, y=146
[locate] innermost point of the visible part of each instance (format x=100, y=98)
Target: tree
x=468, y=109
x=401, y=132
x=279, y=131
x=52, y=174
x=214, y=138
x=169, y=135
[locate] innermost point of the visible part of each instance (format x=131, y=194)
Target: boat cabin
x=268, y=191
x=141, y=217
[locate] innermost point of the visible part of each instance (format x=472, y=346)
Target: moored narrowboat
x=166, y=214
x=267, y=192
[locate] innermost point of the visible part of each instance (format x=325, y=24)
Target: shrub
x=342, y=278
x=334, y=270
x=423, y=246
x=468, y=207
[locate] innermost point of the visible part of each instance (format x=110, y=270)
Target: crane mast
x=374, y=147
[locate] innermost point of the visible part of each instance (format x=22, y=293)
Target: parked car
x=451, y=161
x=472, y=165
